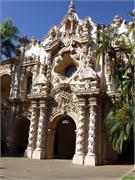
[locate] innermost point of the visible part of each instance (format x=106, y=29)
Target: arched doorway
x=22, y=133
x=65, y=138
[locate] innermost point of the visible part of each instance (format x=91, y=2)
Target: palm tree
x=119, y=122
x=9, y=35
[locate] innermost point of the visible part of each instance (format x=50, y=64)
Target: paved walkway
x=27, y=169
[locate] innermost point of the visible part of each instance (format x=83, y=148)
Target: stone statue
x=33, y=49
x=117, y=21
x=51, y=36
x=86, y=27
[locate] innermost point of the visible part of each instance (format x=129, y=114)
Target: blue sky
x=34, y=18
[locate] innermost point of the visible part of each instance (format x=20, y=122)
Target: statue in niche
x=88, y=71
x=33, y=41
x=88, y=76
x=117, y=21
x=33, y=49
x=120, y=26
x=86, y=27
x=40, y=79
x=53, y=33
x=88, y=59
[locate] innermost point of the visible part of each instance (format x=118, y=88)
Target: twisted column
x=90, y=159
x=91, y=132
x=39, y=152
x=80, y=132
x=79, y=152
x=32, y=131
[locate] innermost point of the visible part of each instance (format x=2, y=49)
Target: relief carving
x=65, y=102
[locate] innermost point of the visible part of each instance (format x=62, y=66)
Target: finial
x=72, y=6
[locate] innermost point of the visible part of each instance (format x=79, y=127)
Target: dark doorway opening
x=65, y=138
x=22, y=134
x=127, y=156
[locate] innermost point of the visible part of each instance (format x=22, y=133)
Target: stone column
x=32, y=131
x=91, y=157
x=80, y=132
x=39, y=152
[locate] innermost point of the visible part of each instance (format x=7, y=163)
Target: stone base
x=28, y=153
x=78, y=159
x=91, y=160
x=38, y=154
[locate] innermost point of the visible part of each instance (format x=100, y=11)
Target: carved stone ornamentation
x=91, y=158
x=60, y=82
x=32, y=131
x=79, y=152
x=39, y=152
x=66, y=102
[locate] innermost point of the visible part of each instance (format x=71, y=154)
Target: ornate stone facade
x=58, y=79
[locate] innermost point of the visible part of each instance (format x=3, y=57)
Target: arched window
x=29, y=84
x=70, y=70
x=68, y=26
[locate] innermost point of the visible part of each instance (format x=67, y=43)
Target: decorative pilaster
x=108, y=72
x=39, y=152
x=35, y=71
x=79, y=152
x=48, y=75
x=22, y=83
x=46, y=87
x=32, y=131
x=91, y=158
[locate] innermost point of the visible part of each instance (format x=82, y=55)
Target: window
x=29, y=85
x=70, y=70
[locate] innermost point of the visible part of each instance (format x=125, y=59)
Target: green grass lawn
x=129, y=178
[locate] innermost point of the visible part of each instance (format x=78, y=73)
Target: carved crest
x=66, y=101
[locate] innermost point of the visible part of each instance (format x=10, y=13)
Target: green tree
x=119, y=122
x=9, y=35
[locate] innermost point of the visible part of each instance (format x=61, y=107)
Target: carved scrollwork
x=65, y=102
